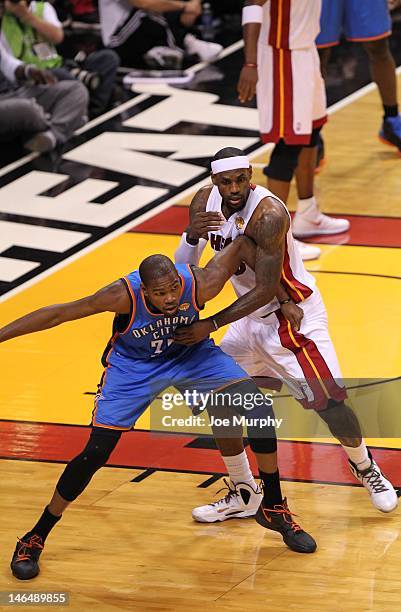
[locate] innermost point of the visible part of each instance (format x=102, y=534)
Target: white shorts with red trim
x=291, y=94
x=306, y=360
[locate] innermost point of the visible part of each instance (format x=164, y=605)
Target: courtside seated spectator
x=31, y=30
x=143, y=32
x=33, y=106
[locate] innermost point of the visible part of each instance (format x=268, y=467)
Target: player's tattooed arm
x=113, y=298
x=268, y=231
x=211, y=279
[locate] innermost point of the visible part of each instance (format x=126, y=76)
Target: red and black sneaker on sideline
x=24, y=564
x=279, y=519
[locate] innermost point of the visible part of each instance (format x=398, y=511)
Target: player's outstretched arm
x=113, y=298
x=269, y=233
x=212, y=278
x=194, y=239
x=220, y=269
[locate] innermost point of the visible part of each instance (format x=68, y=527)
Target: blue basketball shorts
x=129, y=386
x=358, y=20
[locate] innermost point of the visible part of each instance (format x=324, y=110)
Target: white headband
x=230, y=163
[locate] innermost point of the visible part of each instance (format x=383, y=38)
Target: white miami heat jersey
x=290, y=24
x=298, y=283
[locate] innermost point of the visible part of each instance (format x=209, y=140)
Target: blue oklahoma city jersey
x=149, y=334
x=142, y=358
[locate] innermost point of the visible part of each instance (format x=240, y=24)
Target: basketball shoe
x=390, y=132
x=24, y=564
x=312, y=222
x=381, y=491
x=308, y=251
x=279, y=518
x=241, y=501
x=205, y=50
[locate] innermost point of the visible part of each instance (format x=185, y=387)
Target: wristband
x=249, y=65
x=285, y=301
x=252, y=14
x=215, y=325
x=191, y=241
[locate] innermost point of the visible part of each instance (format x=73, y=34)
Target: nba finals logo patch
x=184, y=306
x=239, y=223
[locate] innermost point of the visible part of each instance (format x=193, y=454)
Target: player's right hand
x=293, y=313
x=204, y=222
x=246, y=87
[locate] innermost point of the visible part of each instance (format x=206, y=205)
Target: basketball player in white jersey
x=278, y=328
x=282, y=67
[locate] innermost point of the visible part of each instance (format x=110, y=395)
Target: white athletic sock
x=308, y=207
x=238, y=469
x=359, y=456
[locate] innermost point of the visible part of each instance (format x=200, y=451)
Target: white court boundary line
x=171, y=201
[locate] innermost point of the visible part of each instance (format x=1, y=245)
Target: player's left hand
x=192, y=334
x=293, y=313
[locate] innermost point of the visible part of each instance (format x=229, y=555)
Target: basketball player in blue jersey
x=141, y=360
x=368, y=23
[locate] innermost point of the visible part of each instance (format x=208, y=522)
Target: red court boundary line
x=384, y=233
x=180, y=433
x=177, y=471
x=300, y=461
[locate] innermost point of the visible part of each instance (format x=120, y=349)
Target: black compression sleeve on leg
x=78, y=473
x=263, y=446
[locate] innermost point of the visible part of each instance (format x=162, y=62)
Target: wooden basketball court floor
x=129, y=542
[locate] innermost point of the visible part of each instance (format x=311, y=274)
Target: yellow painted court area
x=47, y=374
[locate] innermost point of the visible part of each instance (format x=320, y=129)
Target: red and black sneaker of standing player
x=24, y=564
x=279, y=518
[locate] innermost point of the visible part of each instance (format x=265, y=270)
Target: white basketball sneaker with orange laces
x=241, y=501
